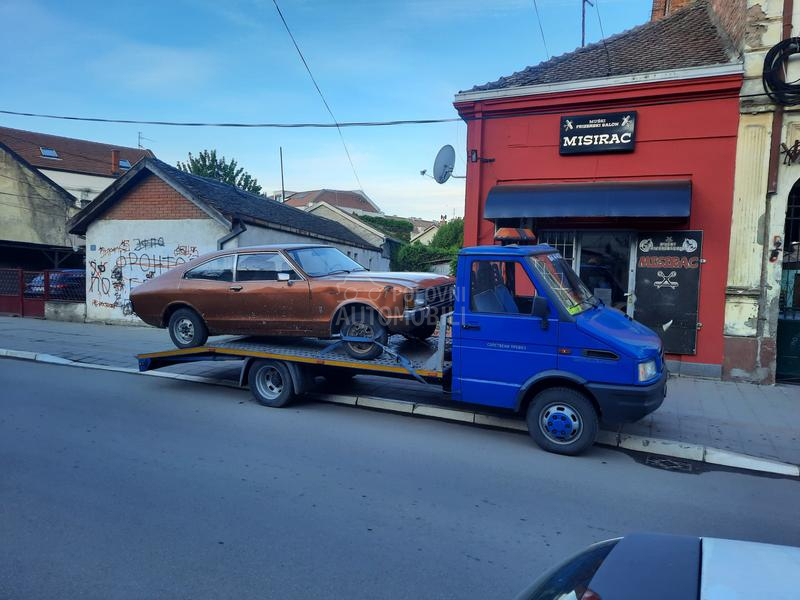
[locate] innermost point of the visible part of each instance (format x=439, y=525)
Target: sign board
x=590, y=134
x=668, y=286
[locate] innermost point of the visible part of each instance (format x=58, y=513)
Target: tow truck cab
x=528, y=336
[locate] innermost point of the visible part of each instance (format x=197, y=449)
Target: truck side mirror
x=541, y=309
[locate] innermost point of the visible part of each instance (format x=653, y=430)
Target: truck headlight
x=647, y=370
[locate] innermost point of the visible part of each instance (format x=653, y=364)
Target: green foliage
x=449, y=235
x=206, y=164
x=396, y=228
x=416, y=257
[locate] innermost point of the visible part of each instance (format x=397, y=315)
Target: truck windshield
x=318, y=262
x=566, y=285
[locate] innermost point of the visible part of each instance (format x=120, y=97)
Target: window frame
x=53, y=150
x=515, y=262
x=205, y=262
x=300, y=275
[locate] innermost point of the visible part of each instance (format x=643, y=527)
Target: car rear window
x=218, y=269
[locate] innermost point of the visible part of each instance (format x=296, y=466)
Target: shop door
x=788, y=342
x=605, y=267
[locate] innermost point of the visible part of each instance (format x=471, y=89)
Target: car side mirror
x=283, y=277
x=541, y=309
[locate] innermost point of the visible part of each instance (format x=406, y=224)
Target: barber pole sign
x=590, y=134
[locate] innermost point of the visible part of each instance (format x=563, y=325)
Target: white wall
x=257, y=236
x=122, y=254
x=76, y=183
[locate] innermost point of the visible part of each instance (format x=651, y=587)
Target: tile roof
x=342, y=198
x=77, y=156
x=230, y=201
x=690, y=37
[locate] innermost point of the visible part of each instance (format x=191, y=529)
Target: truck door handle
x=470, y=326
x=235, y=288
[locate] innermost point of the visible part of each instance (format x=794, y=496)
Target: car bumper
x=629, y=403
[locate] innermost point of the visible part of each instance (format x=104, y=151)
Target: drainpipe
x=237, y=228
x=777, y=118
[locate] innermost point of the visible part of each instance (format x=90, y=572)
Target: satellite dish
x=444, y=163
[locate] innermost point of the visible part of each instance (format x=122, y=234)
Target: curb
x=636, y=443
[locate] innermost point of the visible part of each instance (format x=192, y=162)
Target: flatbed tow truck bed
x=424, y=361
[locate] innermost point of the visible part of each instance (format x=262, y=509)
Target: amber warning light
x=514, y=235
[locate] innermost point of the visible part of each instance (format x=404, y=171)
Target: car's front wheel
x=187, y=329
x=367, y=325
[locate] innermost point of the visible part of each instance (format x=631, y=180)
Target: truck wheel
x=562, y=420
x=364, y=324
x=187, y=329
x=271, y=383
x=423, y=332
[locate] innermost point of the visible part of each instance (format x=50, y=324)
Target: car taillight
x=590, y=595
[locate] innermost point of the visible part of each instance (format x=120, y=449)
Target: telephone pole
x=583, y=20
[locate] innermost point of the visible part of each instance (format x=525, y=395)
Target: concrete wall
x=121, y=254
x=74, y=312
x=85, y=188
x=32, y=211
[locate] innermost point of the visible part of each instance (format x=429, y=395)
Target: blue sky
x=231, y=60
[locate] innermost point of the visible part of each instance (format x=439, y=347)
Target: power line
x=541, y=29
x=319, y=91
x=602, y=34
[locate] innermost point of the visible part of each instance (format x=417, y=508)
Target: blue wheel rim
x=560, y=423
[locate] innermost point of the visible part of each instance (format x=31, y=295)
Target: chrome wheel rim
x=361, y=330
x=269, y=383
x=184, y=331
x=560, y=423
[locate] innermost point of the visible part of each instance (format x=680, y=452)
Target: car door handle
x=470, y=326
x=235, y=288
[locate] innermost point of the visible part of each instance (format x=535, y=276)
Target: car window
x=571, y=579
x=324, y=260
x=263, y=267
x=500, y=287
x=218, y=269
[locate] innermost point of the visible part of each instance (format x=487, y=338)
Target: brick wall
x=731, y=15
x=152, y=199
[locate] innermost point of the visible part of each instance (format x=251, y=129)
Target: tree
x=416, y=257
x=399, y=229
x=450, y=235
x=206, y=164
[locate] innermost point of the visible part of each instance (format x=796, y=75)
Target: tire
x=423, y=332
x=562, y=420
x=187, y=329
x=271, y=383
x=364, y=323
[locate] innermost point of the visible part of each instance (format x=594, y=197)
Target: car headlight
x=420, y=298
x=647, y=370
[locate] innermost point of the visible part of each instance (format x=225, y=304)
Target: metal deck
x=425, y=358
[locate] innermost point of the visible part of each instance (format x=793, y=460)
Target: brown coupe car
x=291, y=290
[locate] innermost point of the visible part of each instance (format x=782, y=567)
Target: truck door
x=501, y=344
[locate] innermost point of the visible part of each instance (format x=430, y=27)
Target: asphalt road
x=122, y=486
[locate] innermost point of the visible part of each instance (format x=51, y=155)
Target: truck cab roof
x=512, y=250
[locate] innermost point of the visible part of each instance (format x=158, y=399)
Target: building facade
x=629, y=175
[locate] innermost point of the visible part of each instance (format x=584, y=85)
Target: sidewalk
x=761, y=421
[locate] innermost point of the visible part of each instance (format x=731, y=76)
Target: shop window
x=563, y=241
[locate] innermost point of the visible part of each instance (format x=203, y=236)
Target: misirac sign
x=608, y=132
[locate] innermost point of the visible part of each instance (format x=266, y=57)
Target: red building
x=621, y=155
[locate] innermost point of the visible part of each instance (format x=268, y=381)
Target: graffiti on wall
x=115, y=270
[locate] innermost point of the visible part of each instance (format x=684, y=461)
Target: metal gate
x=788, y=342
x=23, y=293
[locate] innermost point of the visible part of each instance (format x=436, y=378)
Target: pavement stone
x=761, y=421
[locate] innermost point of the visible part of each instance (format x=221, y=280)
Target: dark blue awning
x=642, y=199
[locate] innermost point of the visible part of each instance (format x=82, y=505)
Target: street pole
x=283, y=190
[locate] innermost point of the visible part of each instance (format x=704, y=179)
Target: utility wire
x=541, y=29
x=319, y=91
x=602, y=34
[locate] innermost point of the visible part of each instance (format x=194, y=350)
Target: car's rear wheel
x=187, y=329
x=364, y=323
x=562, y=420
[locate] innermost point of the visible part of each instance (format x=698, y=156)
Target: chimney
x=730, y=15
x=115, y=162
x=664, y=8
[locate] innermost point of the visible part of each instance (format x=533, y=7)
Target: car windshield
x=318, y=262
x=566, y=285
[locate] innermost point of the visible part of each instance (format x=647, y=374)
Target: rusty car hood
x=382, y=278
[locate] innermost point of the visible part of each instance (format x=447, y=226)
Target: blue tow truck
x=525, y=338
